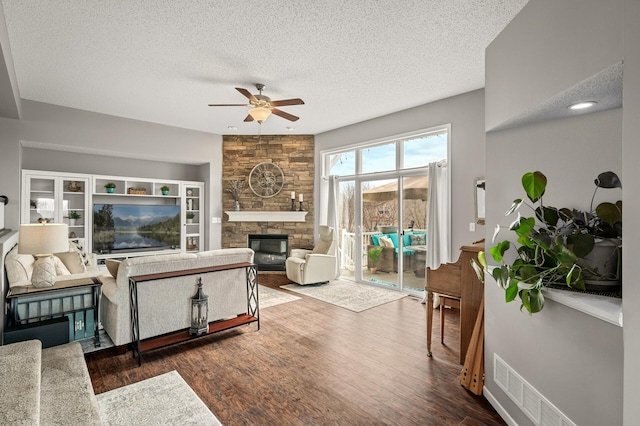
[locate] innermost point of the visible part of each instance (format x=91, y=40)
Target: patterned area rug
x=270, y=297
x=162, y=400
x=347, y=294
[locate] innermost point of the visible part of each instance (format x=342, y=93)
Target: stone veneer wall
x=294, y=154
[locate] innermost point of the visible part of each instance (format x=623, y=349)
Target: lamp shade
x=43, y=238
x=260, y=113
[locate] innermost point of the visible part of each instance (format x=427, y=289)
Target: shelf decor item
x=137, y=191
x=558, y=246
x=236, y=187
x=190, y=217
x=41, y=240
x=266, y=180
x=165, y=190
x=74, y=186
x=199, y=312
x=73, y=216
x=110, y=187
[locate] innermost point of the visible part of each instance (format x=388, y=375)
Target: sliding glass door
x=382, y=210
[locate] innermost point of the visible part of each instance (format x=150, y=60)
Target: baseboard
x=498, y=407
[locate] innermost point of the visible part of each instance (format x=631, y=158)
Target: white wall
x=466, y=114
x=103, y=140
x=548, y=47
x=573, y=359
x=631, y=209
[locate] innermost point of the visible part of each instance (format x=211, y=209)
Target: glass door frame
x=399, y=175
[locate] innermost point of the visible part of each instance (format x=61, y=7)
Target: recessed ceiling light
x=289, y=128
x=582, y=105
x=232, y=128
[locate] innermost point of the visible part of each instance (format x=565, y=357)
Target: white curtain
x=438, y=216
x=329, y=191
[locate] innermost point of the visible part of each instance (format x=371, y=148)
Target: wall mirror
x=479, y=191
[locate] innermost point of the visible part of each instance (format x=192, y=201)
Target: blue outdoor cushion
x=406, y=239
x=374, y=239
x=394, y=239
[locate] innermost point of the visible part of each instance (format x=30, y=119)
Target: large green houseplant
x=555, y=245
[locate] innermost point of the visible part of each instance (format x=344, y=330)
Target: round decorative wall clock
x=266, y=180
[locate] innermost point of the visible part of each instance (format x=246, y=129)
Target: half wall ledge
x=266, y=216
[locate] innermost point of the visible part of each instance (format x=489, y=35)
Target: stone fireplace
x=271, y=251
x=294, y=154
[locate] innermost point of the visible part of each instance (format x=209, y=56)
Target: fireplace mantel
x=265, y=216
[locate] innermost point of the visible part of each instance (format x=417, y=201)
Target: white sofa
x=46, y=387
x=164, y=306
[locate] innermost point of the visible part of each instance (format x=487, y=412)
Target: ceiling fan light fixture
x=260, y=113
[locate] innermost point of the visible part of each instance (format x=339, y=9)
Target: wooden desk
x=459, y=281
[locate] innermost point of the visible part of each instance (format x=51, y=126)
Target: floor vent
x=540, y=410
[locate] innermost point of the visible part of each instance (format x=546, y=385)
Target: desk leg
x=429, y=321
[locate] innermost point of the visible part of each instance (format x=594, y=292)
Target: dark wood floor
x=313, y=363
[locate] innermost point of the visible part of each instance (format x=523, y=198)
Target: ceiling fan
x=263, y=106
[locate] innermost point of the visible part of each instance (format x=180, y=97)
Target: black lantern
x=199, y=312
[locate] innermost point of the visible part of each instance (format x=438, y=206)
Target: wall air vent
x=539, y=409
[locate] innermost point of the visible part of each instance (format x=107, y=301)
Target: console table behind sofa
x=164, y=305
x=251, y=314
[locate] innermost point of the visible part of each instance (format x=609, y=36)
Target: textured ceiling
x=163, y=61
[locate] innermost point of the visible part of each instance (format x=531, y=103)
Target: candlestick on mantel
x=293, y=205
x=300, y=198
x=301, y=206
x=293, y=195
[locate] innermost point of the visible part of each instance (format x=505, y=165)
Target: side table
x=31, y=304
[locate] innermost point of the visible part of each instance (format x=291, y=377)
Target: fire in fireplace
x=271, y=251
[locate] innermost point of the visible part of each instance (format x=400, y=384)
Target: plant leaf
x=501, y=275
x=478, y=270
x=534, y=184
x=610, y=213
x=581, y=244
x=497, y=251
x=516, y=204
x=536, y=300
x=511, y=292
x=482, y=259
x=548, y=215
x=496, y=231
x=608, y=180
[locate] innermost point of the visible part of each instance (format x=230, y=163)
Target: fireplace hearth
x=271, y=251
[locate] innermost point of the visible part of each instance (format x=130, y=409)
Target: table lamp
x=42, y=240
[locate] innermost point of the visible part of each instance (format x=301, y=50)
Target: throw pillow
x=19, y=268
x=60, y=268
x=418, y=239
x=112, y=267
x=385, y=242
x=76, y=246
x=322, y=247
x=73, y=262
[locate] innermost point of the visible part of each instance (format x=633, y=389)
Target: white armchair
x=314, y=266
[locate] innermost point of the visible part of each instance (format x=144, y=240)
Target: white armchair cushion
x=313, y=266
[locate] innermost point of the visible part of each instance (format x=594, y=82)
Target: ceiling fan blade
x=283, y=114
x=244, y=105
x=286, y=102
x=246, y=93
x=248, y=118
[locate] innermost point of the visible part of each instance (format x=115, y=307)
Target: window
x=342, y=164
x=420, y=151
x=380, y=158
x=403, y=152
